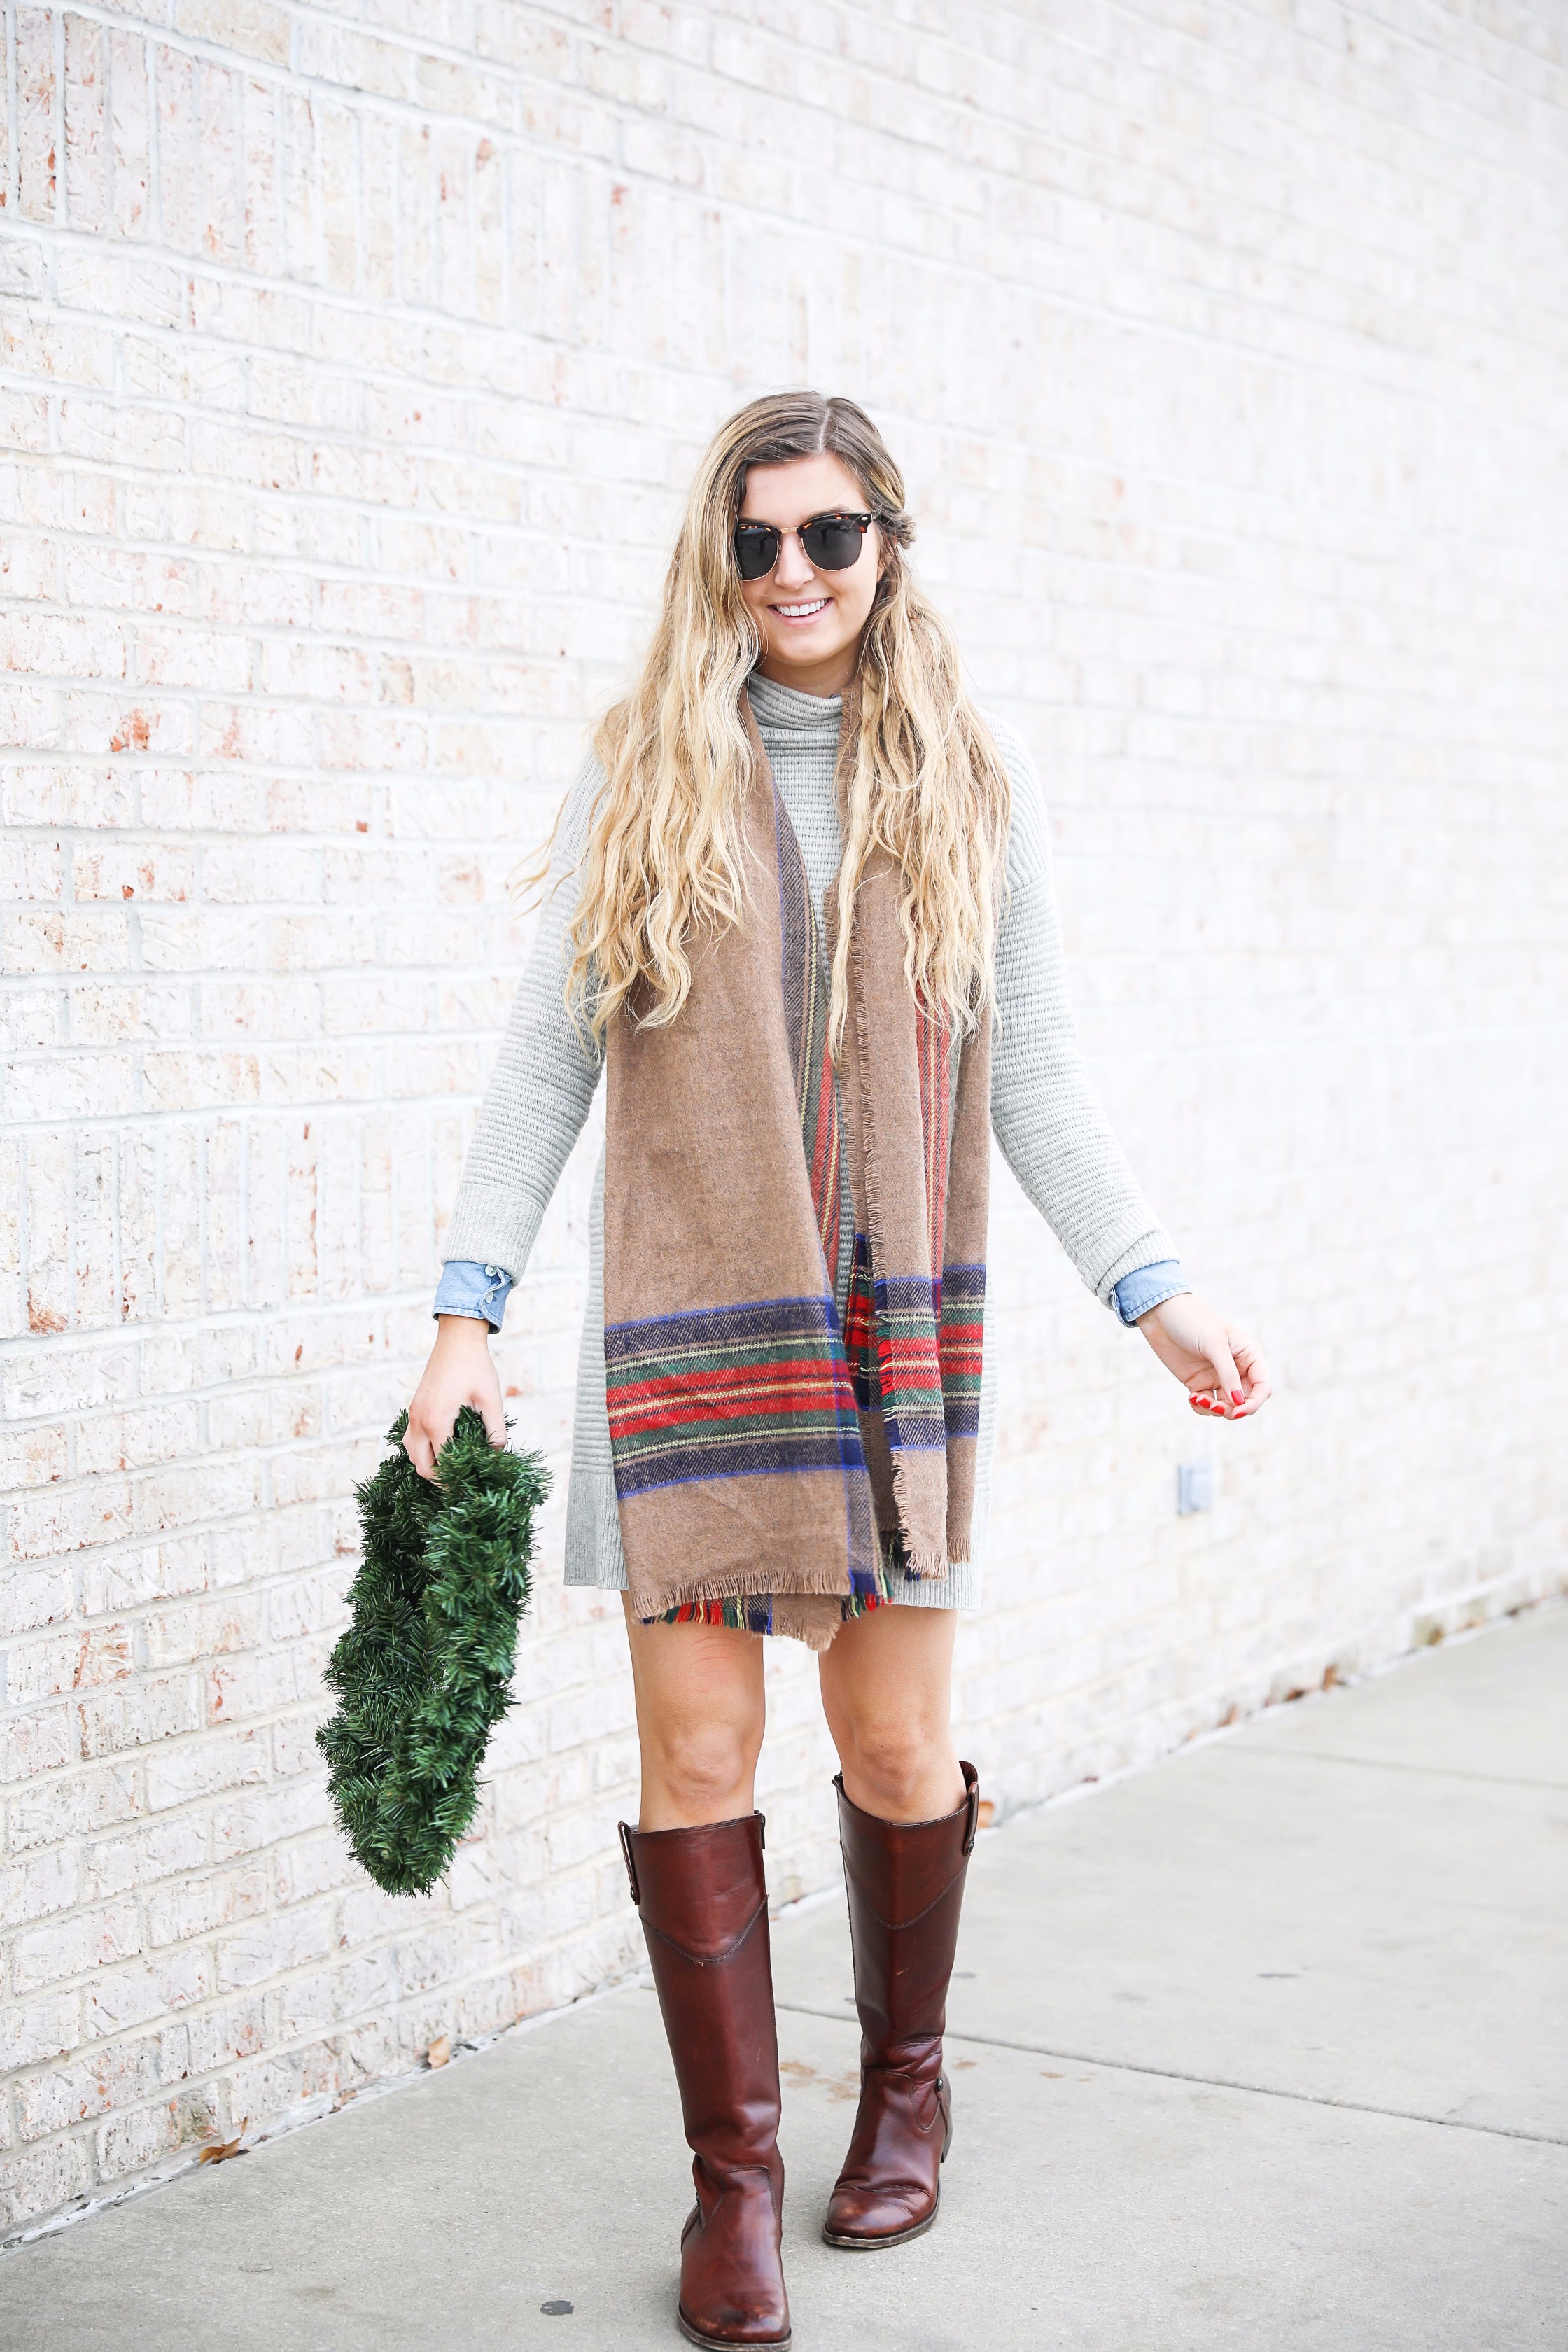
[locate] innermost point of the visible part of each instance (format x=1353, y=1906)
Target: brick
x=98, y=723
x=33, y=1889
x=27, y=1601
x=38, y=2181
x=204, y=1767
x=69, y=941
x=129, y=2141
x=80, y=1658
x=28, y=566
x=61, y=646
x=71, y=1946
x=35, y=1740
x=130, y=1440
x=60, y=1380
x=109, y=434
x=143, y=1856
x=106, y=2077
x=266, y=1818
x=198, y=1904
x=71, y=1804
x=223, y=2032
x=128, y=133
x=127, y=580
x=87, y=181
x=269, y=1947
x=204, y=1630
x=36, y=143
x=29, y=715
x=30, y=869
x=249, y=28
x=44, y=2028
x=141, y=1990
x=155, y=1707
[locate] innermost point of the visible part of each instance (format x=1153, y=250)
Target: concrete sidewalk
x=1263, y=2048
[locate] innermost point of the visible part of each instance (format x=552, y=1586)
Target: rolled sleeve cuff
x=466, y=1287
x=1149, y=1286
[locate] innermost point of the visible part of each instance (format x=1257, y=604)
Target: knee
x=893, y=1758
x=704, y=1769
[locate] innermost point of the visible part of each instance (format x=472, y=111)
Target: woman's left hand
x=1225, y=1376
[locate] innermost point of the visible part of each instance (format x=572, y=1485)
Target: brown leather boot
x=704, y=1905
x=905, y=1890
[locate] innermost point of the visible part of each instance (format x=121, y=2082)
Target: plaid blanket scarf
x=792, y=1362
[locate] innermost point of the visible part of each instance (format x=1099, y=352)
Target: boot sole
x=731, y=2343
x=870, y=2245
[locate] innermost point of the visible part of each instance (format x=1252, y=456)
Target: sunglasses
x=831, y=542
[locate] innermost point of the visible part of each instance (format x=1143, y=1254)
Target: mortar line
x=1212, y=2082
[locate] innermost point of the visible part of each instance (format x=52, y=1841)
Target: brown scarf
x=793, y=1394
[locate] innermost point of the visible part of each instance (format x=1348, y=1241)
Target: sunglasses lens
x=831, y=543
x=756, y=551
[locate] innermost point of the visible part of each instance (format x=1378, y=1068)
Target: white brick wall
x=351, y=367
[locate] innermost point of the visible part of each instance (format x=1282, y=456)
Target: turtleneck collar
x=783, y=709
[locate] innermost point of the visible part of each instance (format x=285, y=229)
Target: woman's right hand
x=459, y=1372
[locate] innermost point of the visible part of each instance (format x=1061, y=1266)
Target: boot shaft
x=702, y=1895
x=905, y=1884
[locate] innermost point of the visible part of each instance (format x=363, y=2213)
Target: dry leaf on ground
x=219, y=2151
x=440, y=2050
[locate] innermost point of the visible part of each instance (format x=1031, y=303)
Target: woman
x=803, y=919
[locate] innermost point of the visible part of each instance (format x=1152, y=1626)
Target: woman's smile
x=795, y=614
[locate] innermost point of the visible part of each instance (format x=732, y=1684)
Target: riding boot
x=704, y=1906
x=905, y=1881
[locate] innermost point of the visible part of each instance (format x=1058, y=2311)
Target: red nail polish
x=1237, y=1397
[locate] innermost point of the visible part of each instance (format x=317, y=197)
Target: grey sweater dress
x=1044, y=1113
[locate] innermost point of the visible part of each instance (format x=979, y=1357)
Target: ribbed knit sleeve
x=1048, y=1119
x=543, y=1084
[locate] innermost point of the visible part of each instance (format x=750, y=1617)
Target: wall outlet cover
x=1194, y=1486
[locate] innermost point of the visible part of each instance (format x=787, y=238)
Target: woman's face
x=809, y=621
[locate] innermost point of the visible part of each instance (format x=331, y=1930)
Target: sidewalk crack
x=1212, y=2082
x=1393, y=1764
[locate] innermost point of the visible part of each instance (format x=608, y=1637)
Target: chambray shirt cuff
x=466, y=1287
x=1149, y=1286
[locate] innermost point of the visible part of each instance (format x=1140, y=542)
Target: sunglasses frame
x=862, y=522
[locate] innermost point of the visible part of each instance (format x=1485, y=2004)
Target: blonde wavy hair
x=665, y=861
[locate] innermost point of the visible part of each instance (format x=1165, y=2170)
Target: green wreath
x=424, y=1672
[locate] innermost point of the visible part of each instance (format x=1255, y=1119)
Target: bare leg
x=886, y=1692
x=700, y=1712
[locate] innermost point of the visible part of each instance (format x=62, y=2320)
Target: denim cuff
x=466, y=1287
x=1149, y=1286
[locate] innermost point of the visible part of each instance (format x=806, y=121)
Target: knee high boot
x=704, y=1906
x=905, y=1881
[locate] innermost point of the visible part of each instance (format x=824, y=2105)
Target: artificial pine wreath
x=423, y=1672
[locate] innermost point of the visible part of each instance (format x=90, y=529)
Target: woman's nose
x=793, y=566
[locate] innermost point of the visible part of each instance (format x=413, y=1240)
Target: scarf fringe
x=750, y=1583
x=924, y=1567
